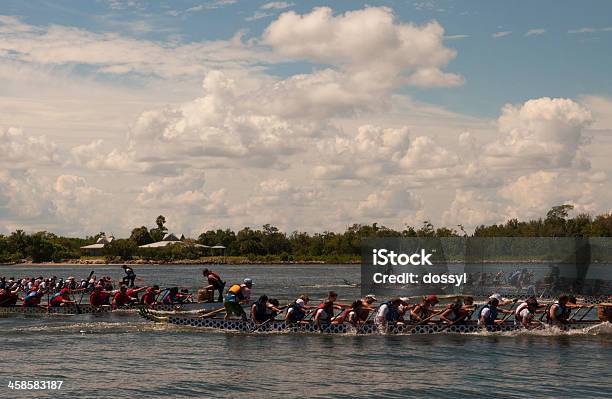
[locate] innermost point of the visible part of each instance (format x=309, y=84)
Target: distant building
x=170, y=239
x=97, y=249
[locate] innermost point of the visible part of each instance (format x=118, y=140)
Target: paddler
x=488, y=313
x=32, y=299
x=297, y=310
x=388, y=313
x=262, y=310
x=171, y=296
x=133, y=293
x=404, y=308
x=456, y=313
x=353, y=314
x=362, y=312
x=501, y=300
x=149, y=296
x=235, y=297
x=121, y=298
x=9, y=296
x=558, y=313
x=62, y=298
x=324, y=314
x=525, y=313
x=99, y=297
x=424, y=309
x=214, y=283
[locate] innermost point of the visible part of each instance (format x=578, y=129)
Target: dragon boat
x=90, y=309
x=280, y=326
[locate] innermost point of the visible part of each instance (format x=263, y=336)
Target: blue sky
x=232, y=113
x=512, y=68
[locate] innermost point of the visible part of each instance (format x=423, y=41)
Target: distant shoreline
x=237, y=261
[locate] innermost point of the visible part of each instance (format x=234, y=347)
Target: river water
x=119, y=355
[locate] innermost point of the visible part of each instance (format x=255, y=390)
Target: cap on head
x=371, y=297
x=300, y=302
x=432, y=299
x=248, y=282
x=496, y=296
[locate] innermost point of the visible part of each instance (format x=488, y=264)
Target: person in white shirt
x=525, y=313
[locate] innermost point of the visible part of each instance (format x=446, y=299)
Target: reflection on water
x=119, y=355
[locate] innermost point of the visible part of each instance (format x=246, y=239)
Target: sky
x=307, y=115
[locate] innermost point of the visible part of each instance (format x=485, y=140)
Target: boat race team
x=105, y=291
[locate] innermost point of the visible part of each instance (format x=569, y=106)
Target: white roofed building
x=97, y=249
x=170, y=239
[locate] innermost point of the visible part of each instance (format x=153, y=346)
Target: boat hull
x=370, y=328
x=90, y=309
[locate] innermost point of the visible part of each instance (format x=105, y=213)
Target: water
x=120, y=355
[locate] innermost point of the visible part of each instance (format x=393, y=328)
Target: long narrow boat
x=368, y=328
x=87, y=309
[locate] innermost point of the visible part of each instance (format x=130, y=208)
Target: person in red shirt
x=99, y=297
x=62, y=298
x=148, y=298
x=33, y=297
x=133, y=293
x=9, y=297
x=121, y=298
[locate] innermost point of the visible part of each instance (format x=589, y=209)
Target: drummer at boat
x=237, y=295
x=129, y=277
x=214, y=283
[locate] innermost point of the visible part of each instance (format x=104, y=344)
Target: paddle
x=469, y=314
x=261, y=325
x=211, y=313
x=76, y=305
x=425, y=320
x=586, y=313
x=83, y=292
x=374, y=311
x=546, y=310
x=507, y=315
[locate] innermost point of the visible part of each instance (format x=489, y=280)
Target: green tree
x=19, y=241
x=124, y=249
x=559, y=212
x=141, y=236
x=158, y=233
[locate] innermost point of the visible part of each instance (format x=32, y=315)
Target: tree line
x=270, y=244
